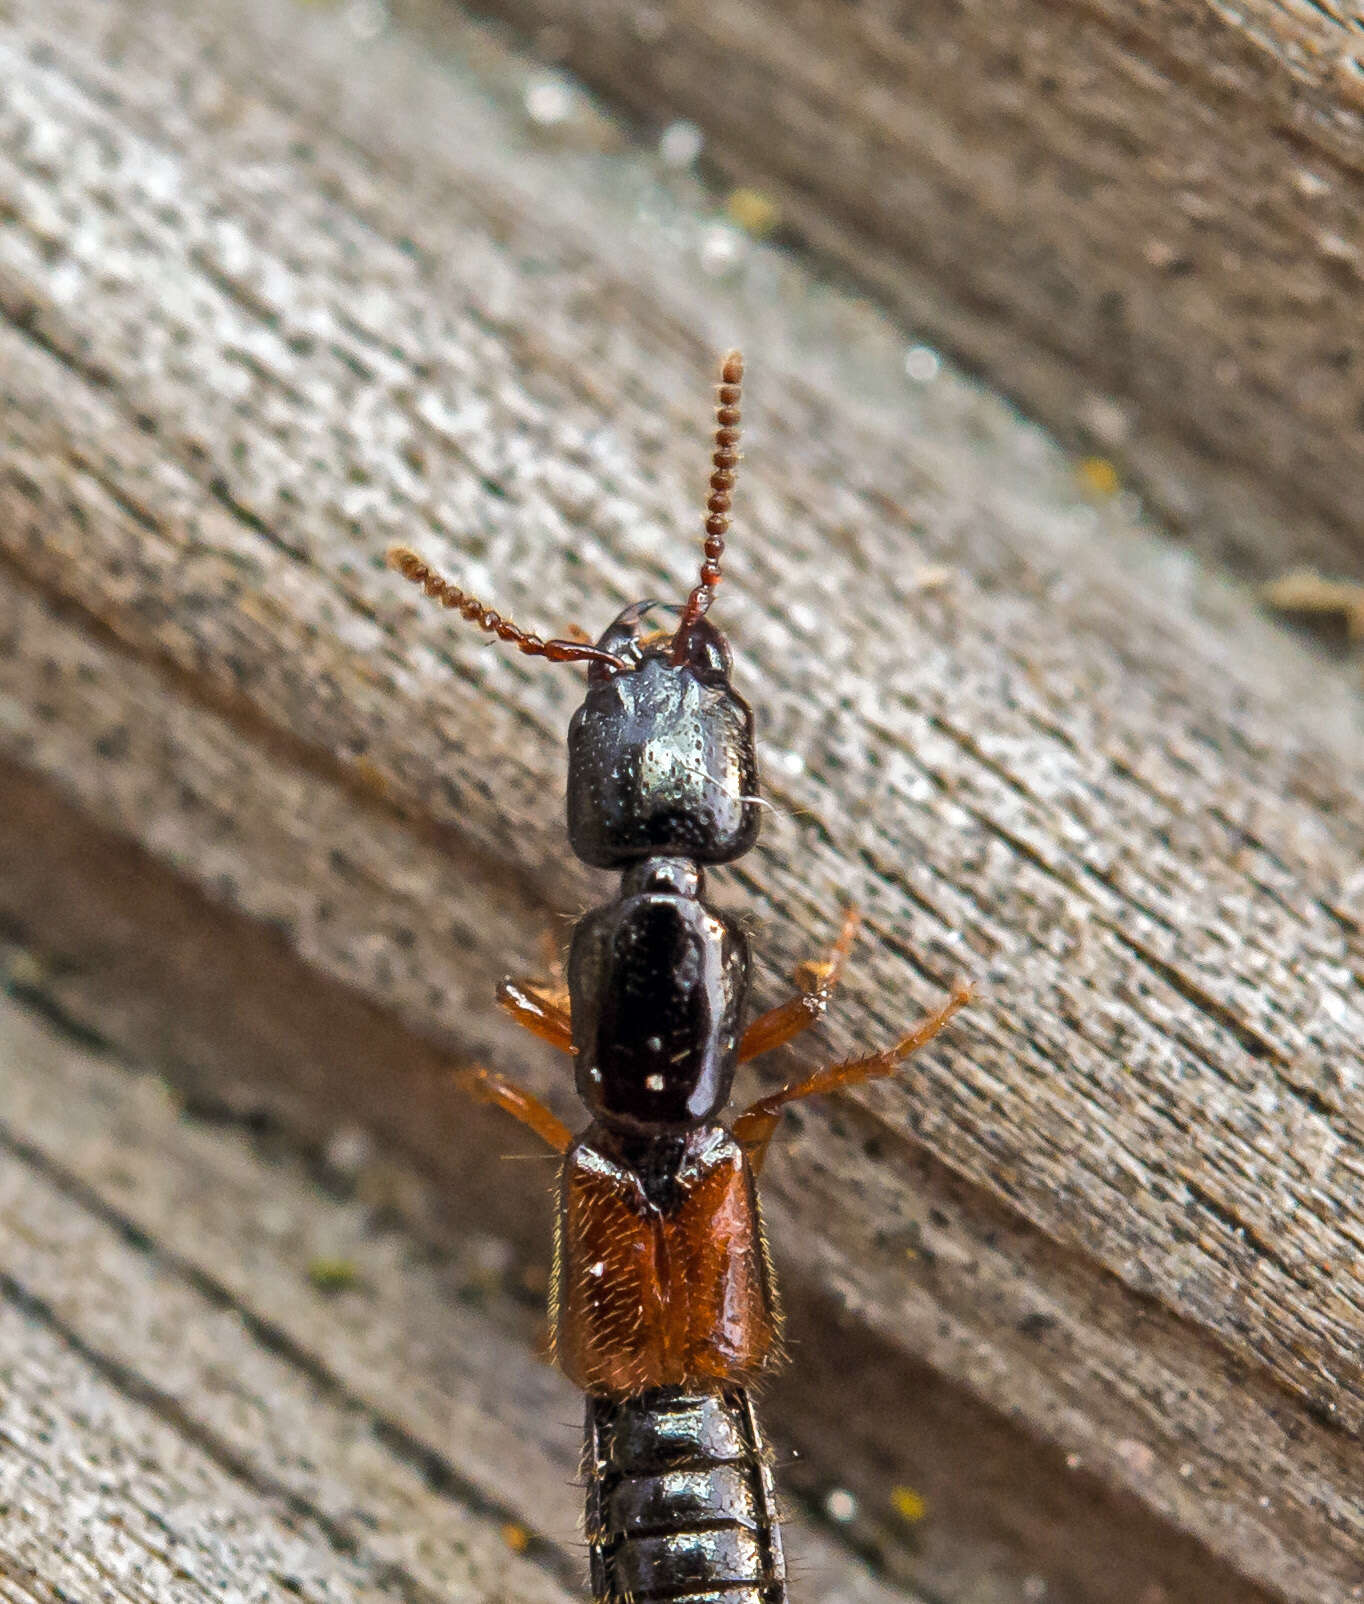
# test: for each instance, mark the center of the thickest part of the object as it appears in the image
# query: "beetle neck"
(680, 877)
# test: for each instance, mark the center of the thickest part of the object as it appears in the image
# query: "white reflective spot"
(598, 1269)
(1337, 247)
(654, 1043)
(840, 1505)
(721, 248)
(680, 144)
(1137, 1456)
(549, 101)
(349, 1151)
(1333, 1005)
(1106, 419)
(922, 364)
(654, 1083)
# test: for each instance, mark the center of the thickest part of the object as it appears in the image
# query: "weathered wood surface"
(187, 1415)
(1141, 217)
(272, 297)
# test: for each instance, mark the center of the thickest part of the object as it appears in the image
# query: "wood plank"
(103, 1499)
(255, 324)
(1140, 219)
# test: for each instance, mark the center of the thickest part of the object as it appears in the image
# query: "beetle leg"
(541, 1010)
(816, 980)
(487, 1087)
(754, 1127)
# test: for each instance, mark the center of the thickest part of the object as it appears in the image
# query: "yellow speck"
(908, 1504)
(754, 212)
(333, 1275)
(517, 1538)
(1098, 476)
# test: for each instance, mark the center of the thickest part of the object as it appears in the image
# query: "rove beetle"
(662, 1305)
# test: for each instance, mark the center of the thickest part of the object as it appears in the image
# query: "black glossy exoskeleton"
(662, 1304)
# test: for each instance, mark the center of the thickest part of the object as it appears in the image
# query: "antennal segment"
(403, 560)
(724, 462)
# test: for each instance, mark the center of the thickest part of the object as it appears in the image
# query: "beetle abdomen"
(680, 1504)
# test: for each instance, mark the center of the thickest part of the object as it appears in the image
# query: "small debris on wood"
(1098, 476)
(908, 1505)
(516, 1537)
(754, 212)
(932, 577)
(1310, 595)
(333, 1275)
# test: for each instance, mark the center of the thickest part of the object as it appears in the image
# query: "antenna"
(406, 562)
(723, 464)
